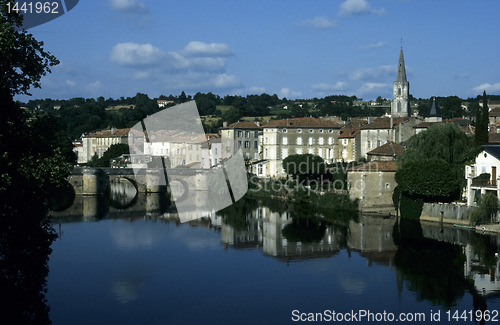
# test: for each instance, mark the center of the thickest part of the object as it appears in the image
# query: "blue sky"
(294, 48)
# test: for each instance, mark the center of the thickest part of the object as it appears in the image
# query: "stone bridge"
(93, 181)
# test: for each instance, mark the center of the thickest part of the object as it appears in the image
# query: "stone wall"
(450, 213)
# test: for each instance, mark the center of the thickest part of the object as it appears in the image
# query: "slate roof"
(434, 110)
(303, 122)
(493, 150)
(401, 77)
(388, 149)
(375, 166)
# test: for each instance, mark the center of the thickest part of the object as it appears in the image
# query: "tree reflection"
(305, 230)
(24, 253)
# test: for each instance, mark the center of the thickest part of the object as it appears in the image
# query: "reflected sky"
(155, 272)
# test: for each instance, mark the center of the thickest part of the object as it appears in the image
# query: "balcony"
(484, 183)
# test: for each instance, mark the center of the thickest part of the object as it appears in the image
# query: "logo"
(36, 13)
(173, 145)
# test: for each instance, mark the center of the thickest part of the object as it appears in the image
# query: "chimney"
(258, 123)
(113, 130)
(370, 119)
(224, 124)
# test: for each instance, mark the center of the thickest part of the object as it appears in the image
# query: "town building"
(372, 183)
(100, 141)
(244, 135)
(384, 129)
(307, 135)
(434, 113)
(487, 163)
(349, 144)
(387, 152)
(211, 153)
(400, 106)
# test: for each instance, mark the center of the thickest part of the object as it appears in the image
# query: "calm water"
(259, 262)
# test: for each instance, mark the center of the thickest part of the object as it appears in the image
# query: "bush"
(487, 205)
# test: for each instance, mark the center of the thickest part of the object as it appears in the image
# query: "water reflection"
(120, 193)
(25, 247)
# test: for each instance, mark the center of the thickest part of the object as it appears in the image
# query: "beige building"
(384, 129)
(307, 135)
(99, 142)
(387, 152)
(349, 144)
(372, 183)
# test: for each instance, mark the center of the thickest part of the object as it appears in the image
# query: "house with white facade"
(307, 135)
(100, 141)
(487, 164)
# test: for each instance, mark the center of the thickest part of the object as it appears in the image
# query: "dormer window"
(311, 131)
(284, 130)
(299, 130)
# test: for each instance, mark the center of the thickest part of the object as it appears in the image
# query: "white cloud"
(133, 54)
(457, 75)
(141, 75)
(94, 87)
(226, 81)
(318, 23)
(489, 88)
(128, 6)
(372, 87)
(202, 49)
(373, 46)
(377, 73)
(357, 7)
(257, 90)
(325, 87)
(70, 82)
(288, 93)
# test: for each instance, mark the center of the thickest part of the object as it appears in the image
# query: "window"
(299, 151)
(247, 155)
(240, 134)
(320, 152)
(320, 141)
(330, 140)
(284, 153)
(311, 151)
(239, 144)
(266, 140)
(299, 130)
(330, 131)
(228, 133)
(178, 151)
(311, 131)
(299, 141)
(378, 133)
(284, 130)
(285, 141)
(399, 106)
(256, 134)
(255, 144)
(388, 133)
(266, 153)
(247, 134)
(247, 144)
(345, 142)
(311, 141)
(399, 91)
(387, 186)
(368, 144)
(215, 149)
(320, 130)
(260, 169)
(378, 143)
(256, 155)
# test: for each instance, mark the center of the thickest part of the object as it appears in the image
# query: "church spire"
(401, 68)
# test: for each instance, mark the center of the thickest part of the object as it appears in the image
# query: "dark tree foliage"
(113, 151)
(431, 179)
(443, 141)
(305, 166)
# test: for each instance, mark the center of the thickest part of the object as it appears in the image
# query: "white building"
(487, 162)
(99, 142)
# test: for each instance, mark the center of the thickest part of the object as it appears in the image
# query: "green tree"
(113, 151)
(487, 206)
(304, 166)
(27, 173)
(445, 142)
(485, 120)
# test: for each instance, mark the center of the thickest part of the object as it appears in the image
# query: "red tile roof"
(375, 166)
(303, 122)
(345, 133)
(385, 123)
(243, 125)
(388, 149)
(108, 134)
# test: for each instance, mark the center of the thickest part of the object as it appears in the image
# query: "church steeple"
(401, 68)
(400, 106)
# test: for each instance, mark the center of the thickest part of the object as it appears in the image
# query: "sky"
(292, 48)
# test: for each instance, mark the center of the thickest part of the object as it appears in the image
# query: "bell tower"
(400, 106)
